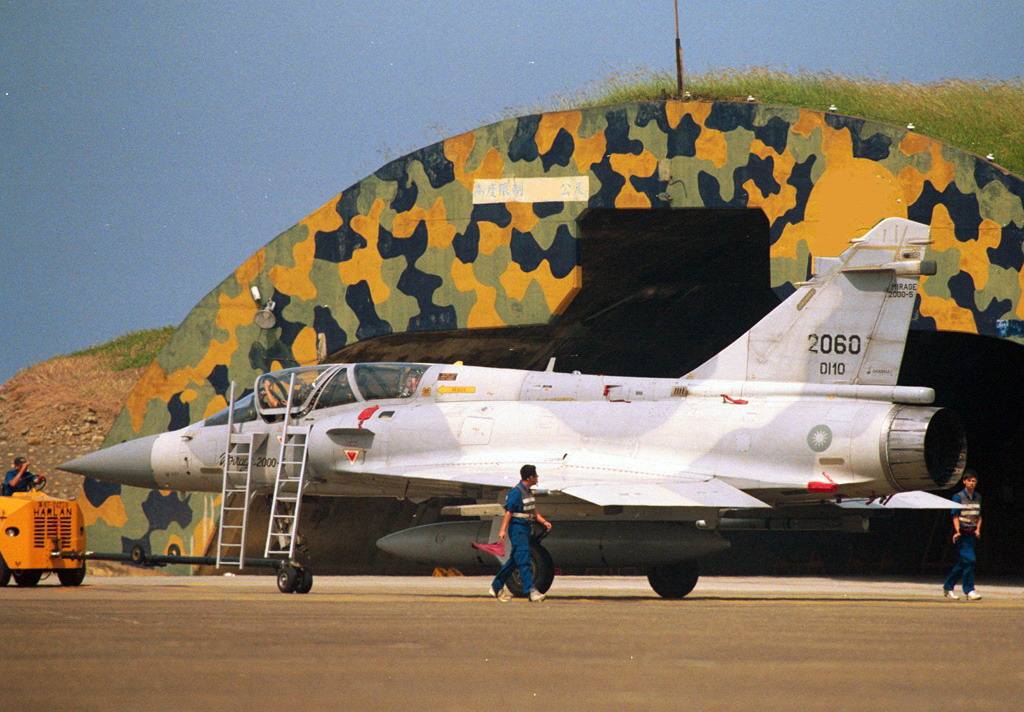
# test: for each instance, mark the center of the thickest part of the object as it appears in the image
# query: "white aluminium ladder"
(288, 484)
(235, 491)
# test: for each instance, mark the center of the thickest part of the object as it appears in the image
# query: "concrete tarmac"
(373, 643)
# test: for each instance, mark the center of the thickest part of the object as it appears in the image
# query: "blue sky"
(147, 148)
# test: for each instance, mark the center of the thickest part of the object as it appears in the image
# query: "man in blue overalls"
(966, 533)
(520, 513)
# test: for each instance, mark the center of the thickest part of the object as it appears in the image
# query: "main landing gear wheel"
(71, 577)
(5, 573)
(674, 580)
(543, 567)
(28, 577)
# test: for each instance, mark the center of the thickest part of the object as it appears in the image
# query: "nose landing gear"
(293, 579)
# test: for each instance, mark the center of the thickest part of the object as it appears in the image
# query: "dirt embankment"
(58, 410)
(62, 408)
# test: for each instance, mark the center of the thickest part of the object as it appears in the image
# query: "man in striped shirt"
(966, 533)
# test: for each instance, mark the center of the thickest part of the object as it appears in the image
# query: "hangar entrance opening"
(978, 377)
(663, 291)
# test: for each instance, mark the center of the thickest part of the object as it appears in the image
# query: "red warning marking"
(352, 455)
(366, 413)
(729, 399)
(827, 487)
(613, 394)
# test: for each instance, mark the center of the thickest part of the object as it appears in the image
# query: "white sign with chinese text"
(531, 190)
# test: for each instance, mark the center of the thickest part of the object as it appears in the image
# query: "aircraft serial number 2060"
(834, 343)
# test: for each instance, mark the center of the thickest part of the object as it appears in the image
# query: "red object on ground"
(497, 548)
(827, 487)
(730, 399)
(365, 414)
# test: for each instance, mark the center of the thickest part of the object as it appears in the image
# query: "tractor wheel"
(27, 577)
(71, 577)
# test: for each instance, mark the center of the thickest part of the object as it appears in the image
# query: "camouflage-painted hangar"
(635, 239)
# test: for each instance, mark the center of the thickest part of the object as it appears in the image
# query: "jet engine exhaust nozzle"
(924, 448)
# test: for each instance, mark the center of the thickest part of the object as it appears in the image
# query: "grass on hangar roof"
(978, 116)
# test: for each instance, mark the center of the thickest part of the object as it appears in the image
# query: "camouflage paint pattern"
(407, 249)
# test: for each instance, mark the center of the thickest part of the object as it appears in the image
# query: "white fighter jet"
(799, 423)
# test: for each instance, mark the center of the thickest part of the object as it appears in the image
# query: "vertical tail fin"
(848, 324)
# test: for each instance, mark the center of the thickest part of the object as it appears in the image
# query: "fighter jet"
(799, 423)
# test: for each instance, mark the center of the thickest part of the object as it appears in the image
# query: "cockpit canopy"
(275, 390)
(379, 381)
(245, 410)
(309, 388)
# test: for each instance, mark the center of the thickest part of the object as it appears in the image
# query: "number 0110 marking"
(834, 343)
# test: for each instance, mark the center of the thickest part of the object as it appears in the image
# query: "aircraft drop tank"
(570, 543)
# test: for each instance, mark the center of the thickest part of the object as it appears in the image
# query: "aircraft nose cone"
(128, 463)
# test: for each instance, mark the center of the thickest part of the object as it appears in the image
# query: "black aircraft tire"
(27, 577)
(543, 572)
(305, 584)
(287, 579)
(71, 577)
(544, 568)
(674, 580)
(5, 573)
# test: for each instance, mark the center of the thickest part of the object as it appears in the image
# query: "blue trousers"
(519, 536)
(964, 566)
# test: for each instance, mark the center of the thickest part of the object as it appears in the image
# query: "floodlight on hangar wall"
(481, 231)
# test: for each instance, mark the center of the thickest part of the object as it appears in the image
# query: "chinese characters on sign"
(531, 190)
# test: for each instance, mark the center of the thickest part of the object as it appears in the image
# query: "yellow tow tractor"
(40, 534)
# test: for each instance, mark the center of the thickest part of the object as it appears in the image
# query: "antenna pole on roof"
(679, 57)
